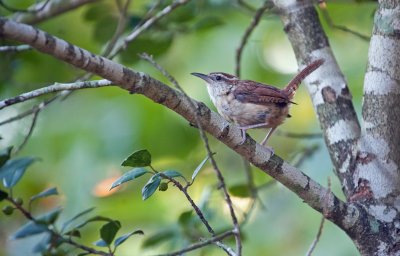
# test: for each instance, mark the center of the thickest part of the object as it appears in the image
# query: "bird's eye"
(218, 78)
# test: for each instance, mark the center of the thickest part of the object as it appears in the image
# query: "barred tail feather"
(291, 88)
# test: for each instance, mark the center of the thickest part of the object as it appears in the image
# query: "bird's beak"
(202, 76)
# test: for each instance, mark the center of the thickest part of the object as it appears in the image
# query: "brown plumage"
(251, 104)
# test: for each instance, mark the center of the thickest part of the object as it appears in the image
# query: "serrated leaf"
(241, 190)
(158, 238)
(5, 155)
(109, 230)
(151, 186)
(49, 217)
(65, 225)
(13, 170)
(29, 229)
(3, 195)
(140, 158)
(123, 238)
(45, 193)
(100, 243)
(198, 168)
(132, 174)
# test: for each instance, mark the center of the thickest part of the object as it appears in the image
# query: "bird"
(250, 104)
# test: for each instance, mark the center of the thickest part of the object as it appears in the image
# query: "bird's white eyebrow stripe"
(225, 75)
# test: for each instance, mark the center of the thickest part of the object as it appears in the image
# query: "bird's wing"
(258, 93)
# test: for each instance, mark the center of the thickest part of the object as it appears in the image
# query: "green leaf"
(109, 230)
(208, 23)
(105, 27)
(100, 243)
(241, 190)
(29, 229)
(185, 217)
(140, 158)
(3, 195)
(158, 238)
(49, 217)
(43, 245)
(73, 232)
(123, 238)
(132, 174)
(13, 170)
(45, 193)
(5, 155)
(95, 11)
(183, 14)
(155, 43)
(65, 225)
(173, 174)
(198, 168)
(93, 219)
(151, 186)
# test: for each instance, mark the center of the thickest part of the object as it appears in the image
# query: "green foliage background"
(83, 139)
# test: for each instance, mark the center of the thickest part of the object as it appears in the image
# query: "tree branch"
(148, 23)
(57, 87)
(138, 82)
(327, 86)
(51, 9)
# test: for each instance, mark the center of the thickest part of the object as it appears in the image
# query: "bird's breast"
(245, 114)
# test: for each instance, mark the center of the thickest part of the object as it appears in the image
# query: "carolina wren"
(250, 104)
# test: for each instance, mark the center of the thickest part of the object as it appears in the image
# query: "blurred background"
(82, 139)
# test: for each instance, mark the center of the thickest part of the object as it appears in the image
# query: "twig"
(253, 191)
(327, 17)
(207, 146)
(200, 244)
(304, 154)
(321, 225)
(28, 112)
(54, 88)
(32, 126)
(120, 28)
(256, 19)
(29, 10)
(29, 216)
(15, 48)
(52, 9)
(192, 203)
(246, 6)
(136, 32)
(294, 135)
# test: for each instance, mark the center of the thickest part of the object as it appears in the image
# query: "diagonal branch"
(140, 83)
(327, 86)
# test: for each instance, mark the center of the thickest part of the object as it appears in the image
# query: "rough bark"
(327, 86)
(366, 162)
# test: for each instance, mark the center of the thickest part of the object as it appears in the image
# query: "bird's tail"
(291, 88)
